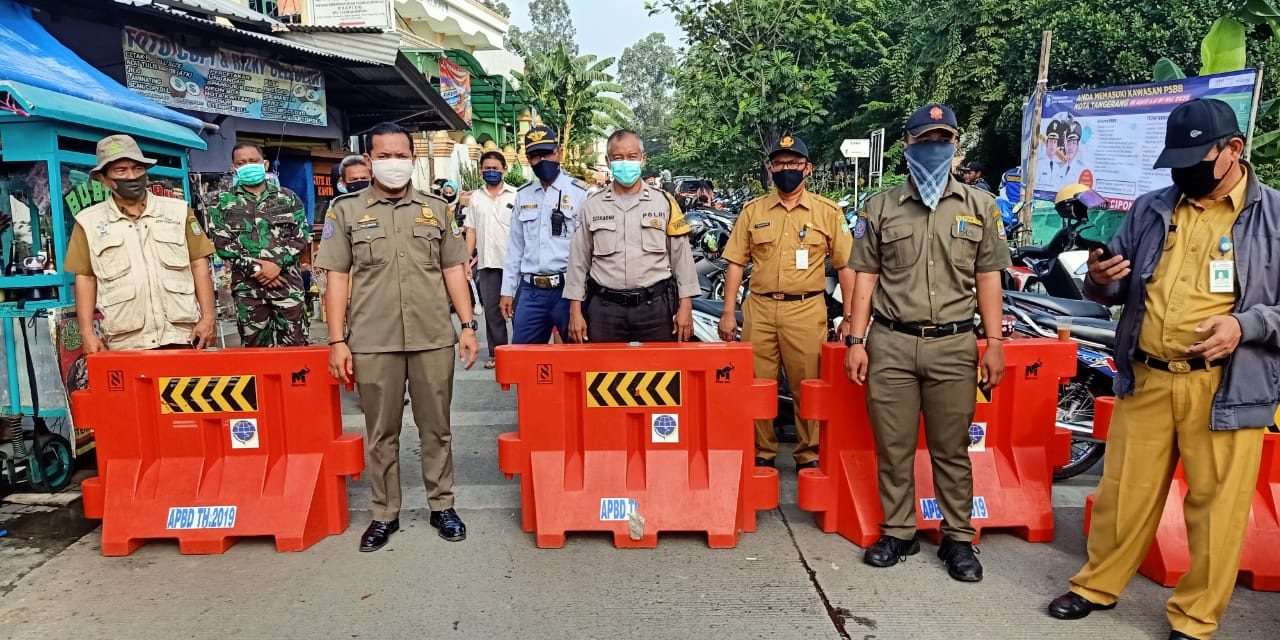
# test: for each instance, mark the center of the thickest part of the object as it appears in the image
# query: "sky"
(606, 27)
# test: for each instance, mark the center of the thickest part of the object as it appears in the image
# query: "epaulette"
(581, 184)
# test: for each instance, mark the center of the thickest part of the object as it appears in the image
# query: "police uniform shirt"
(532, 249)
(395, 251)
(769, 236)
(628, 243)
(928, 261)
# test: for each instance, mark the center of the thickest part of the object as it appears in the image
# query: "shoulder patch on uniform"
(330, 215)
(327, 232)
(860, 228)
(195, 227)
(581, 184)
(676, 224)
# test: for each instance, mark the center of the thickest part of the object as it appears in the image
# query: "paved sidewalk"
(788, 580)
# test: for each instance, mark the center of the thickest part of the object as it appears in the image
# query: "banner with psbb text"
(1109, 138)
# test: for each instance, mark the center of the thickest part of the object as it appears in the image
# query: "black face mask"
(131, 190)
(1197, 180)
(357, 185)
(788, 180)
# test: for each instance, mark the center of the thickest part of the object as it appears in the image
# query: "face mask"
(930, 166)
(131, 190)
(547, 170)
(393, 173)
(1197, 180)
(788, 180)
(491, 176)
(357, 185)
(251, 174)
(626, 172)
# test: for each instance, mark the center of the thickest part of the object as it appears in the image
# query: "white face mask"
(393, 173)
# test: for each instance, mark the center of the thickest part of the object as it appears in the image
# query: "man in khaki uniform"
(788, 235)
(1196, 345)
(389, 246)
(142, 259)
(631, 259)
(920, 251)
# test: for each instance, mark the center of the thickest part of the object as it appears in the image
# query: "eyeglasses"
(779, 165)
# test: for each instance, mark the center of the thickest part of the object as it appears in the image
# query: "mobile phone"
(1092, 245)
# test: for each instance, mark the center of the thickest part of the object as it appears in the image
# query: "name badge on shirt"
(1222, 276)
(802, 259)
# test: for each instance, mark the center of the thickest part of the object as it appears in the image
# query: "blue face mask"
(251, 174)
(929, 164)
(491, 176)
(626, 172)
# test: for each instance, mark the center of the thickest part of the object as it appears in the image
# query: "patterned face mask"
(930, 166)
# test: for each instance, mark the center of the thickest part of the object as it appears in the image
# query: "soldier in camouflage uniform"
(260, 231)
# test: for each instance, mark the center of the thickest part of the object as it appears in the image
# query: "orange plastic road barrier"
(208, 447)
(637, 440)
(1014, 444)
(1169, 558)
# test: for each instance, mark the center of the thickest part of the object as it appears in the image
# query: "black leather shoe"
(1178, 635)
(764, 462)
(449, 524)
(962, 560)
(812, 464)
(888, 551)
(1073, 606)
(377, 535)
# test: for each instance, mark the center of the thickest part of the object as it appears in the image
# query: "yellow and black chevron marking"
(984, 397)
(209, 394)
(1273, 429)
(633, 388)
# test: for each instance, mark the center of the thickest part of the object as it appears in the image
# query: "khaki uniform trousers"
(790, 333)
(381, 379)
(939, 376)
(1167, 419)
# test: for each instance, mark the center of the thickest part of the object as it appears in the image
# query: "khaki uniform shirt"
(631, 245)
(1178, 295)
(928, 261)
(395, 252)
(142, 265)
(769, 236)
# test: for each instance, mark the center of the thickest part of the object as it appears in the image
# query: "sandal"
(491, 364)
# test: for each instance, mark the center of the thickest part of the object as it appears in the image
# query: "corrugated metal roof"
(222, 8)
(377, 47)
(311, 28)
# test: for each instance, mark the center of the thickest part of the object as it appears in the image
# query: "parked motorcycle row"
(1043, 292)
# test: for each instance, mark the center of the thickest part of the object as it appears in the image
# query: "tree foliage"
(571, 94)
(497, 6)
(647, 72)
(551, 28)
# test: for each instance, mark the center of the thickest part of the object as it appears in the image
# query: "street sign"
(856, 148)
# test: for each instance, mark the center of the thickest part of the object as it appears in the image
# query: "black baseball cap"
(540, 138)
(790, 143)
(1192, 130)
(932, 116)
(972, 165)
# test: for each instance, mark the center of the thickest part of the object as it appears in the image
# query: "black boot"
(962, 560)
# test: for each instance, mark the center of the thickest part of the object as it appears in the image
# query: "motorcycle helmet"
(1075, 201)
(713, 242)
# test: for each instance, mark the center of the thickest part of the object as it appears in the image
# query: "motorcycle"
(1057, 268)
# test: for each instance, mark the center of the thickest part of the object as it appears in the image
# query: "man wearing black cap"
(971, 174)
(546, 216)
(788, 235)
(921, 250)
(1196, 351)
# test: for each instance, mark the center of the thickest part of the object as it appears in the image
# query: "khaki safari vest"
(145, 288)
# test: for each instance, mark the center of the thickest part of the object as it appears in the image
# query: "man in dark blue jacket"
(1198, 349)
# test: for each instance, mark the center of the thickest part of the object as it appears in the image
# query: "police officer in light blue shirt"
(546, 216)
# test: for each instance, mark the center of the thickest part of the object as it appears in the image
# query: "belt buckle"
(1180, 366)
(926, 329)
(542, 282)
(778, 295)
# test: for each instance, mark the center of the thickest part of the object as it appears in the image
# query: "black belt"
(550, 281)
(1177, 366)
(927, 330)
(788, 297)
(633, 297)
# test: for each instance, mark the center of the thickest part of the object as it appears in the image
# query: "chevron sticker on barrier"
(633, 388)
(209, 394)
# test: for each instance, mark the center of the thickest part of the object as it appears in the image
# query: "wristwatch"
(470, 324)
(849, 341)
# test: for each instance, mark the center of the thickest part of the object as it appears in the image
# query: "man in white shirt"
(487, 221)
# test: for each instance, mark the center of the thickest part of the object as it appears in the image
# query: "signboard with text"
(1109, 138)
(221, 80)
(352, 13)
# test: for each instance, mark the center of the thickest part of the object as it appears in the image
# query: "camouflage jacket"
(271, 227)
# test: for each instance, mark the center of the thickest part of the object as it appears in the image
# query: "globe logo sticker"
(666, 427)
(978, 436)
(244, 434)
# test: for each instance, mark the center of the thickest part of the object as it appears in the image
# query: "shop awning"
(42, 103)
(32, 58)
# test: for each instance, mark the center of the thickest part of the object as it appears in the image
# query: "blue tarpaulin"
(28, 54)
